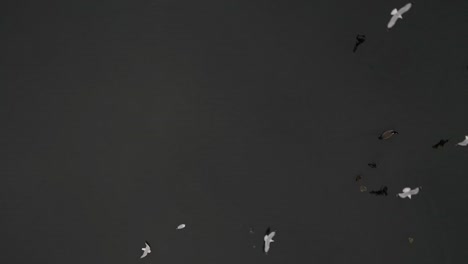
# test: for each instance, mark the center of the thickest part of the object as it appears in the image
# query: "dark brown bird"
(382, 191)
(387, 134)
(372, 165)
(441, 143)
(358, 178)
(359, 40)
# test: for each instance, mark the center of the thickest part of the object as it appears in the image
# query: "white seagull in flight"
(396, 14)
(407, 192)
(146, 250)
(268, 239)
(464, 142)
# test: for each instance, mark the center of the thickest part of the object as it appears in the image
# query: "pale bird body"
(464, 143)
(398, 14)
(268, 239)
(407, 192)
(146, 250)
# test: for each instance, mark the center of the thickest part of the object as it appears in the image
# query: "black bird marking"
(382, 191)
(372, 165)
(441, 143)
(359, 40)
(358, 178)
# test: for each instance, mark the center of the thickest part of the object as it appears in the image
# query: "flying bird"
(363, 188)
(268, 239)
(398, 14)
(372, 165)
(464, 142)
(407, 192)
(146, 250)
(181, 226)
(359, 40)
(358, 178)
(387, 134)
(441, 143)
(382, 191)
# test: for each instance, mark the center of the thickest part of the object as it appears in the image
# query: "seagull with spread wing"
(398, 14)
(146, 250)
(268, 239)
(407, 192)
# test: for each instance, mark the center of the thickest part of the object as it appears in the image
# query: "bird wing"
(414, 191)
(392, 21)
(271, 235)
(402, 195)
(405, 9)
(144, 254)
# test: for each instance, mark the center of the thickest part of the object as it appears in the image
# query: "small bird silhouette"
(387, 134)
(181, 226)
(359, 40)
(441, 143)
(372, 165)
(358, 178)
(146, 250)
(382, 191)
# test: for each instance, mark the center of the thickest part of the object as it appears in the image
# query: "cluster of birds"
(396, 14)
(407, 192)
(147, 248)
(267, 240)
